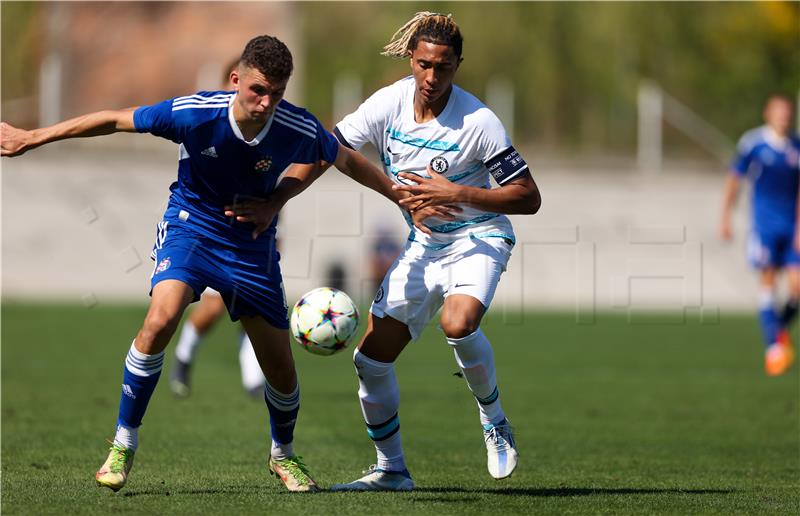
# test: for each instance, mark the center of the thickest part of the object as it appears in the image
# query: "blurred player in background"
(204, 316)
(441, 143)
(383, 251)
(768, 157)
(233, 148)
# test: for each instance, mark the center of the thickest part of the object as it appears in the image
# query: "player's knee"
(370, 367)
(458, 326)
(158, 325)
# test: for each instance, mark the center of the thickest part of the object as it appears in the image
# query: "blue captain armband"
(506, 165)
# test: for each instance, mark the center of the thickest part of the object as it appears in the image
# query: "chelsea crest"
(439, 164)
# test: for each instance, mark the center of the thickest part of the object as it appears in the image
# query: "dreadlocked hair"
(436, 28)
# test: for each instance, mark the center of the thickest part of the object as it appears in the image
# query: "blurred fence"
(79, 222)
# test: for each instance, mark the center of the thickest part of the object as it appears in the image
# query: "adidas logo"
(211, 152)
(127, 391)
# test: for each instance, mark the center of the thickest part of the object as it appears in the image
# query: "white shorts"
(418, 281)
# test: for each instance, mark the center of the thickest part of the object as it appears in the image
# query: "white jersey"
(465, 143)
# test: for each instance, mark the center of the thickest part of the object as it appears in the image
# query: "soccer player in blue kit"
(233, 147)
(769, 157)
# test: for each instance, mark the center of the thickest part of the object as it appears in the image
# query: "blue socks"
(283, 409)
(139, 380)
(772, 322)
(770, 325)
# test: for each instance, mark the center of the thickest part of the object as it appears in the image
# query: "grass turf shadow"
(533, 492)
(546, 492)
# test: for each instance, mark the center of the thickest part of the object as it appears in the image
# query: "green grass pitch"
(610, 418)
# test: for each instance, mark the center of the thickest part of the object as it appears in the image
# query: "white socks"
(281, 451)
(380, 400)
(475, 358)
(127, 437)
(252, 377)
(188, 343)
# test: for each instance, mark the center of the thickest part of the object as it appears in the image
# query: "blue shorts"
(772, 250)
(249, 281)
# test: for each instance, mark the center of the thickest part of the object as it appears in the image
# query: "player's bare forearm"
(729, 194)
(517, 197)
(15, 141)
(296, 179)
(261, 212)
(520, 196)
(354, 165)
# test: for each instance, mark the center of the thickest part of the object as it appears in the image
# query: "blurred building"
(97, 55)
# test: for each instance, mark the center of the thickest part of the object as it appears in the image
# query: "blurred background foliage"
(576, 66)
(20, 25)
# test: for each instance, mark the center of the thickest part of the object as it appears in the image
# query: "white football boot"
(376, 479)
(500, 449)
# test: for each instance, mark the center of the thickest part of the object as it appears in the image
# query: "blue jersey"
(217, 166)
(772, 166)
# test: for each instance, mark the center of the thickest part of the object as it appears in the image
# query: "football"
(324, 320)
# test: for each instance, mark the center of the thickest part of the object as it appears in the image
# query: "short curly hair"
(270, 56)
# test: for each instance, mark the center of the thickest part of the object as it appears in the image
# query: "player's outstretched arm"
(354, 165)
(261, 212)
(729, 193)
(520, 196)
(15, 141)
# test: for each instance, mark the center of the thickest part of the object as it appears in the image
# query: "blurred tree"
(21, 55)
(576, 66)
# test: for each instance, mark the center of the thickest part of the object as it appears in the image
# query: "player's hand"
(725, 230)
(13, 141)
(436, 190)
(260, 212)
(797, 240)
(419, 215)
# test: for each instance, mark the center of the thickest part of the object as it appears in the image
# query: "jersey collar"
(441, 117)
(775, 140)
(238, 132)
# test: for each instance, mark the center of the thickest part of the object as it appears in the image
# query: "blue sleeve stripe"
(288, 115)
(297, 128)
(200, 106)
(201, 99)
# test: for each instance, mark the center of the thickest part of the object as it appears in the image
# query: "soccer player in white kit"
(439, 144)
